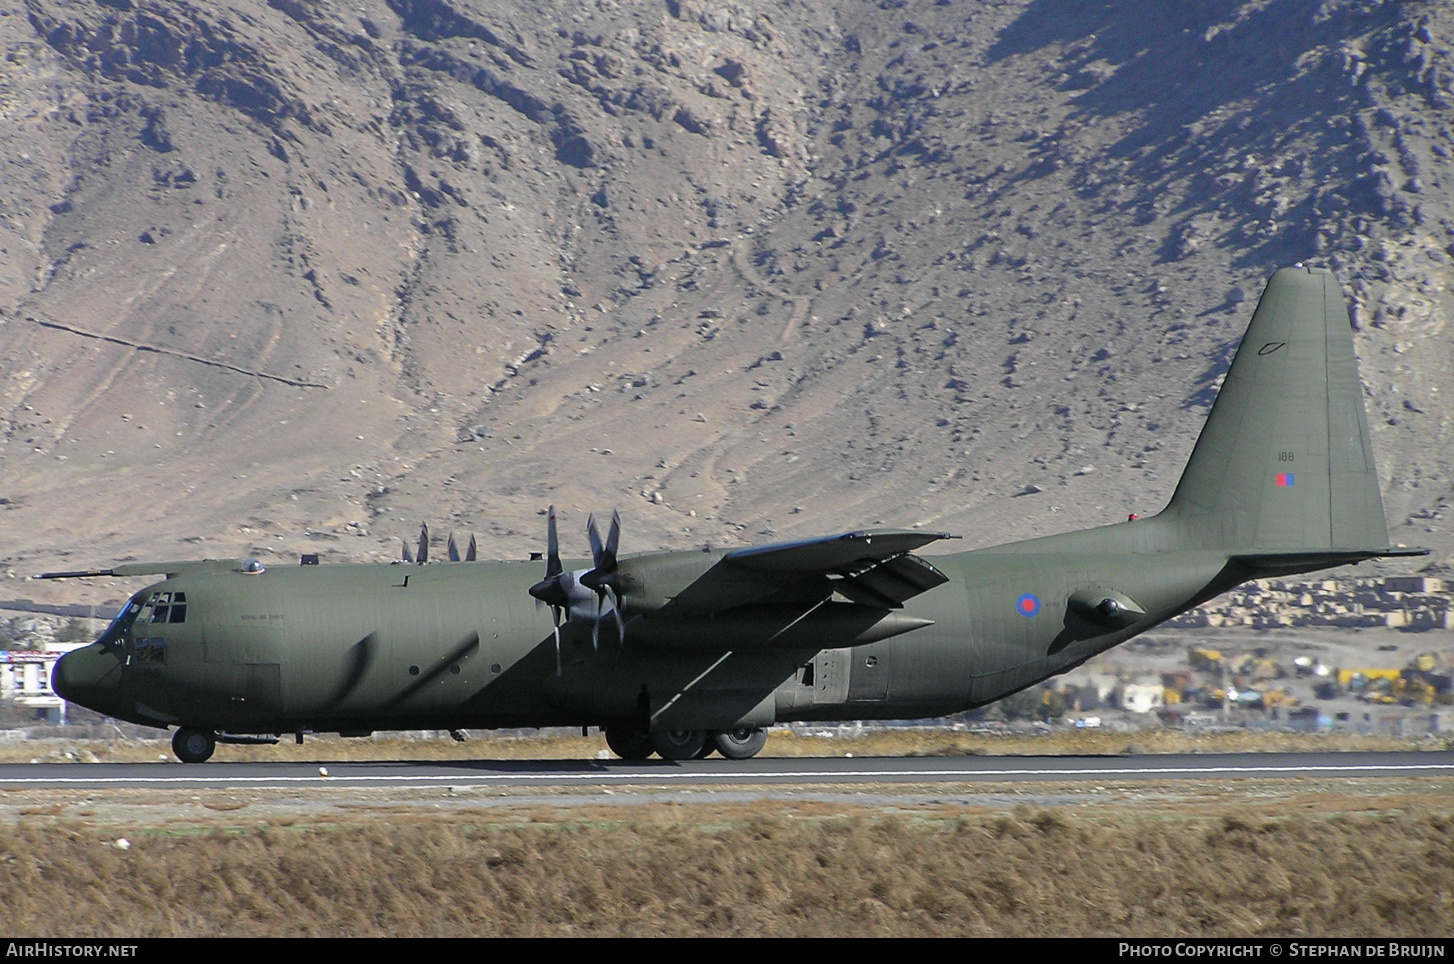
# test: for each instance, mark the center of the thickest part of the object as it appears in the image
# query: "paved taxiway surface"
(586, 774)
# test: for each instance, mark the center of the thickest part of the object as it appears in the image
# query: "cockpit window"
(116, 633)
(167, 607)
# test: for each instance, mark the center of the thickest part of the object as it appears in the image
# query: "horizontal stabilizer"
(1268, 565)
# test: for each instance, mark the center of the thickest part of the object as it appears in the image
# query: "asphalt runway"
(809, 772)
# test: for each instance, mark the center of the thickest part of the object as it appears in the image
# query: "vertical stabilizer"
(1284, 463)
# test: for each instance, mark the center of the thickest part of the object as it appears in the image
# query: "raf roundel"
(1027, 605)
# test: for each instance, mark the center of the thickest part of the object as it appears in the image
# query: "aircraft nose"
(63, 679)
(87, 677)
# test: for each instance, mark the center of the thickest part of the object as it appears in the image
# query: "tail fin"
(1284, 464)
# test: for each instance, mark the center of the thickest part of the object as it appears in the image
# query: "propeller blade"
(452, 550)
(620, 621)
(551, 590)
(601, 579)
(555, 615)
(596, 626)
(603, 558)
(469, 554)
(552, 545)
(612, 540)
(595, 536)
(423, 554)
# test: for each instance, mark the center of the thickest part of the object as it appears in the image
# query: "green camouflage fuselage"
(359, 648)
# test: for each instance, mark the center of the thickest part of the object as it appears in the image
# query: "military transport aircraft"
(683, 653)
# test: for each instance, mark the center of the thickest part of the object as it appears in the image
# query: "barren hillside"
(281, 276)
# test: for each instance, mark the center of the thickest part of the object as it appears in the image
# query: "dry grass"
(875, 742)
(1220, 858)
(748, 869)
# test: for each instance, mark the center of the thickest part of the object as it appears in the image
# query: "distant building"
(1419, 584)
(25, 679)
(1407, 603)
(1142, 697)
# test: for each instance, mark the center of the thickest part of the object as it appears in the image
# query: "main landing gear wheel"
(628, 742)
(678, 744)
(741, 743)
(192, 745)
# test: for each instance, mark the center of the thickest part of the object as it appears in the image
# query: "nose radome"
(62, 679)
(87, 677)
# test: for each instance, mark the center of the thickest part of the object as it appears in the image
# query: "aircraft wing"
(871, 568)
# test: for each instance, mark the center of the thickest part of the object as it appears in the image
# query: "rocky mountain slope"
(280, 276)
